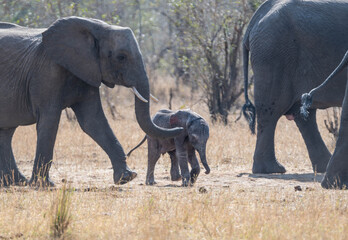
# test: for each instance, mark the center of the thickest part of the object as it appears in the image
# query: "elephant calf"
(181, 149)
(336, 175)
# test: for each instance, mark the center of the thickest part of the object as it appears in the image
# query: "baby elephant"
(181, 149)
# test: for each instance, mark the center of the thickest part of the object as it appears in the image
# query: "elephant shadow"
(302, 177)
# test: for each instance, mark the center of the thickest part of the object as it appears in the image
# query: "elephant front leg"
(46, 128)
(195, 168)
(336, 175)
(264, 156)
(174, 166)
(9, 173)
(182, 156)
(317, 150)
(92, 120)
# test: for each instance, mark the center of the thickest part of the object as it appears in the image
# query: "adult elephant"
(336, 175)
(293, 46)
(43, 71)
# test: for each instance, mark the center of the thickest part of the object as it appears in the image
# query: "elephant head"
(96, 53)
(198, 133)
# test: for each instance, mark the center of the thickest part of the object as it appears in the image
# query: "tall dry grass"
(235, 205)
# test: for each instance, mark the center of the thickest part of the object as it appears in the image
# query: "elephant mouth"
(108, 84)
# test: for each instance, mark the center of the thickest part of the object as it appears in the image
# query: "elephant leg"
(174, 168)
(195, 168)
(182, 156)
(9, 173)
(46, 128)
(264, 156)
(317, 150)
(153, 154)
(336, 175)
(272, 98)
(93, 122)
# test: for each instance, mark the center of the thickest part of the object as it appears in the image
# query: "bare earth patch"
(229, 203)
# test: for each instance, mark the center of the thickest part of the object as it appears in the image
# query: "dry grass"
(237, 204)
(60, 212)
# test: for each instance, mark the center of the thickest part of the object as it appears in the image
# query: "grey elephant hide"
(293, 46)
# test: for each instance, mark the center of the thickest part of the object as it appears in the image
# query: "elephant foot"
(194, 175)
(268, 167)
(150, 182)
(39, 181)
(320, 159)
(320, 166)
(186, 182)
(125, 176)
(175, 176)
(8, 179)
(338, 181)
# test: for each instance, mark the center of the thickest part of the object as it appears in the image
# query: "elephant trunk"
(142, 112)
(307, 98)
(204, 160)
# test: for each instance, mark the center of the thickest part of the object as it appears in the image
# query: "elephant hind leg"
(317, 150)
(153, 156)
(264, 156)
(9, 173)
(271, 101)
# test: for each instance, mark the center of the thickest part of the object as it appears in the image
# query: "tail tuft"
(249, 113)
(306, 102)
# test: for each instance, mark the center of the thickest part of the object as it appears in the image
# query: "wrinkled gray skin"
(43, 71)
(181, 149)
(293, 47)
(336, 175)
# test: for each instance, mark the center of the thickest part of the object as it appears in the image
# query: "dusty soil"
(230, 202)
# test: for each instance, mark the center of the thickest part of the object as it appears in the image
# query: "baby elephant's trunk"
(204, 161)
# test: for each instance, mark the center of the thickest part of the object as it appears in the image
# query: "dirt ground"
(229, 203)
(80, 161)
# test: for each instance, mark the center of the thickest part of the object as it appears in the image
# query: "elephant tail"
(248, 108)
(307, 98)
(142, 141)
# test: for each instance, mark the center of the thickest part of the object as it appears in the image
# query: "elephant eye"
(121, 57)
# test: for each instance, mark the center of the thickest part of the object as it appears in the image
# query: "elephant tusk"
(136, 93)
(154, 98)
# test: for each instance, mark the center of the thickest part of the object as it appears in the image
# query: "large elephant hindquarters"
(291, 53)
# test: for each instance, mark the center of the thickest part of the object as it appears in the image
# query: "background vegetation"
(196, 43)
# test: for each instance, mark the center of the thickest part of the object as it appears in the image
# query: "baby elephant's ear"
(194, 137)
(174, 120)
(73, 44)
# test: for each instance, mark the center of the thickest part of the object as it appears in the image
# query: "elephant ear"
(174, 120)
(194, 137)
(72, 43)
